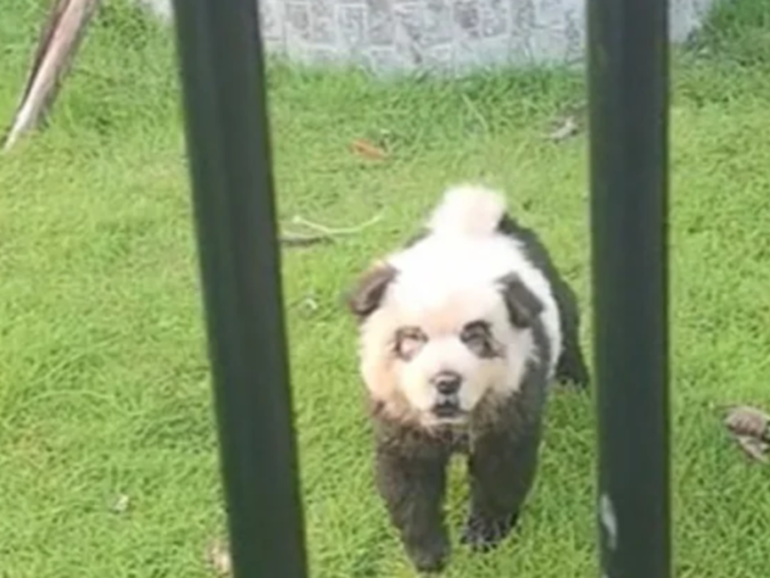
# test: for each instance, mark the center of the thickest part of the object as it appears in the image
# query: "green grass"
(104, 386)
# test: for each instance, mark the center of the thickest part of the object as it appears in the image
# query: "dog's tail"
(472, 210)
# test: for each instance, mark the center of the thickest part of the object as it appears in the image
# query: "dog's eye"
(409, 341)
(477, 336)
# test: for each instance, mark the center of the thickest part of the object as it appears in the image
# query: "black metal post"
(222, 72)
(628, 87)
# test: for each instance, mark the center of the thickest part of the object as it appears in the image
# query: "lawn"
(108, 463)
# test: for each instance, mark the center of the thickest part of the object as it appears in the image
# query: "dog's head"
(442, 327)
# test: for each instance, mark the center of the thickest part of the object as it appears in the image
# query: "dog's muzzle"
(447, 384)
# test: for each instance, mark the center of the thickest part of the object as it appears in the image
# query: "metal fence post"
(222, 74)
(628, 89)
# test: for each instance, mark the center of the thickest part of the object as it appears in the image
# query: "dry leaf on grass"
(754, 448)
(745, 420)
(566, 129)
(368, 150)
(751, 428)
(121, 504)
(570, 121)
(218, 555)
(310, 304)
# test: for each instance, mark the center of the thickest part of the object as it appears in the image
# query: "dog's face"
(434, 345)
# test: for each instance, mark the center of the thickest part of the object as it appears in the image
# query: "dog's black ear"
(523, 305)
(370, 289)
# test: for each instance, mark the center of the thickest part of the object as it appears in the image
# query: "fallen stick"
(58, 43)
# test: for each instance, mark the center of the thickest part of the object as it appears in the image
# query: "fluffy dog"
(460, 334)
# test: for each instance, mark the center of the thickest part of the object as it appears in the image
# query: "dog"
(460, 334)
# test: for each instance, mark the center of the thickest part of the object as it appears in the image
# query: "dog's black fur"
(502, 443)
(572, 366)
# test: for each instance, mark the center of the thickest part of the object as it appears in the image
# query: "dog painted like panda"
(460, 334)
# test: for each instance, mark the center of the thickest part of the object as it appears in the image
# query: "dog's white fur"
(448, 279)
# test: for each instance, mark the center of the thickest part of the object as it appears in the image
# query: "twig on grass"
(323, 233)
(297, 240)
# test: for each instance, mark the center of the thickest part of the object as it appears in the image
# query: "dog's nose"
(447, 382)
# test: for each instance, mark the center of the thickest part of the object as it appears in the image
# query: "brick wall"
(449, 35)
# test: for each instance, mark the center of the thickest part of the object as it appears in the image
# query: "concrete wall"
(449, 35)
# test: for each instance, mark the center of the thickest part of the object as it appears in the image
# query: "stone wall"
(448, 35)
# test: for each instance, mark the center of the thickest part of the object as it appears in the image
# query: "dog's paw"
(484, 534)
(430, 557)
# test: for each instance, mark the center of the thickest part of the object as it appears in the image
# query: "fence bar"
(222, 73)
(628, 93)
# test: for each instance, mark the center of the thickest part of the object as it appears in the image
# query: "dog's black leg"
(413, 488)
(571, 367)
(502, 469)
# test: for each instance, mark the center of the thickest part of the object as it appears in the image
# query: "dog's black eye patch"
(408, 342)
(477, 336)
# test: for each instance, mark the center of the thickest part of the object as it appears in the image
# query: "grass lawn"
(104, 388)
